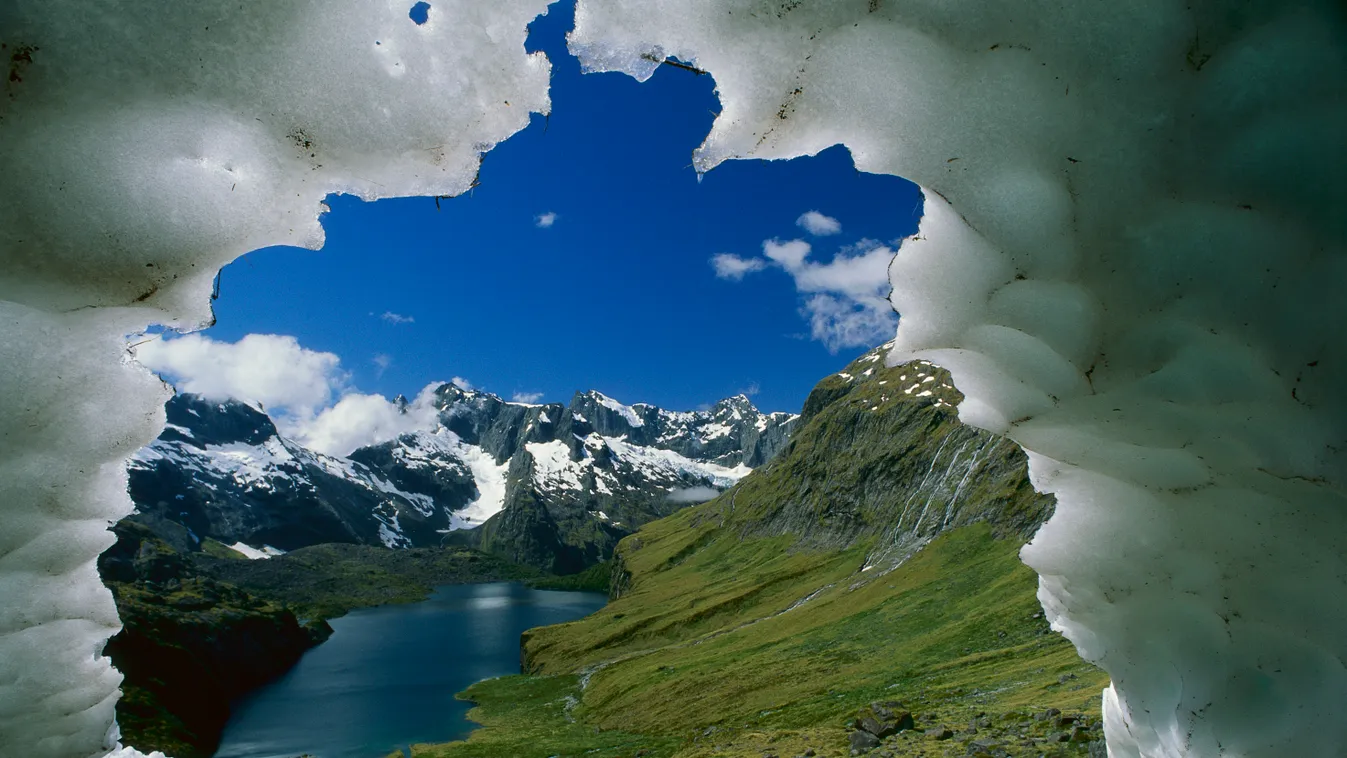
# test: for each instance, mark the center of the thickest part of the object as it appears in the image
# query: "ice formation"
(143, 146)
(1129, 261)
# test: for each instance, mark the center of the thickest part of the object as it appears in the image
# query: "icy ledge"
(1131, 261)
(143, 146)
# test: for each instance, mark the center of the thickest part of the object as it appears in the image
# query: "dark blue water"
(387, 676)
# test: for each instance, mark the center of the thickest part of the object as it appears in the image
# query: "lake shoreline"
(389, 676)
(202, 632)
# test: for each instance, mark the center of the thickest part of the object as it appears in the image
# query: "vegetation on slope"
(869, 563)
(593, 579)
(190, 645)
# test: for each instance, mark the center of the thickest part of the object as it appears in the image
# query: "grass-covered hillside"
(870, 570)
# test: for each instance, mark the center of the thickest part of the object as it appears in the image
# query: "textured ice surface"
(142, 146)
(1131, 261)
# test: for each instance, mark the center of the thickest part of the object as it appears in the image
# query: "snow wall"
(1130, 260)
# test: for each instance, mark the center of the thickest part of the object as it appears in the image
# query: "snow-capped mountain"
(222, 470)
(551, 485)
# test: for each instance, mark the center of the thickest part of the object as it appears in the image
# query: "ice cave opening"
(1130, 262)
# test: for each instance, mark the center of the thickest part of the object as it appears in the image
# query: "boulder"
(885, 719)
(880, 729)
(940, 733)
(863, 742)
(887, 710)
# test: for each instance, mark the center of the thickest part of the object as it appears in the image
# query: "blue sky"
(618, 294)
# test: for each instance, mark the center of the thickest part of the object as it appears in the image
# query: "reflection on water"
(387, 676)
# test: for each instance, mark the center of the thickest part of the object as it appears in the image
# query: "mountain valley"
(866, 568)
(870, 571)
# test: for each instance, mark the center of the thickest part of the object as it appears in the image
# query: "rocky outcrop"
(870, 431)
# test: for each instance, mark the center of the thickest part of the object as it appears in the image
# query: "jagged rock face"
(732, 432)
(223, 471)
(564, 483)
(870, 431)
(583, 476)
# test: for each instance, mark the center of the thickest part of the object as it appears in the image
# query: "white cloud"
(462, 383)
(545, 220)
(850, 307)
(848, 296)
(752, 389)
(527, 397)
(789, 255)
(840, 322)
(730, 266)
(693, 494)
(358, 420)
(270, 369)
(397, 318)
(295, 385)
(859, 272)
(818, 224)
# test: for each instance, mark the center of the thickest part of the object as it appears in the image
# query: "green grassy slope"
(750, 625)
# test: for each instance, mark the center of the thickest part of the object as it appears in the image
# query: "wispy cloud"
(752, 389)
(527, 397)
(382, 361)
(730, 266)
(840, 322)
(818, 224)
(845, 300)
(397, 318)
(462, 383)
(545, 220)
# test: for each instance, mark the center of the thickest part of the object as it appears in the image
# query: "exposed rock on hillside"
(564, 483)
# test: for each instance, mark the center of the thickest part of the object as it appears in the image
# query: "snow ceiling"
(1131, 261)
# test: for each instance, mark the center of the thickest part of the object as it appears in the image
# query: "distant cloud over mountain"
(306, 392)
(271, 369)
(397, 318)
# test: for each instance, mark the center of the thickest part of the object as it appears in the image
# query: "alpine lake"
(387, 677)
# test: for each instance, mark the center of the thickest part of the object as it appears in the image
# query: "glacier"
(1130, 262)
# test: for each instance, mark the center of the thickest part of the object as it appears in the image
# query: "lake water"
(387, 676)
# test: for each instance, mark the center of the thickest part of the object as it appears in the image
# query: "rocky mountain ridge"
(554, 486)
